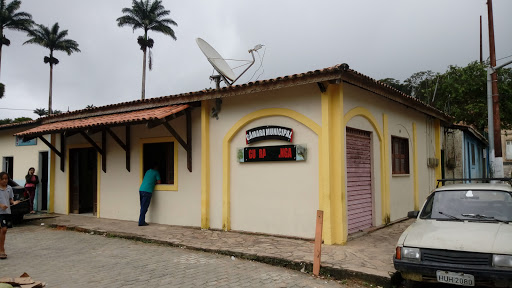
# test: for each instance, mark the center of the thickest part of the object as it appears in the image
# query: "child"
(6, 200)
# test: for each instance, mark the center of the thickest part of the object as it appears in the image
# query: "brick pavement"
(74, 260)
(368, 257)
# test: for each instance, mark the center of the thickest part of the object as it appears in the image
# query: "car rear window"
(473, 205)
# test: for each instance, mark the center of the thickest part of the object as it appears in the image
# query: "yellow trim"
(205, 165)
(332, 179)
(160, 187)
(437, 132)
(51, 208)
(384, 184)
(360, 111)
(386, 215)
(98, 167)
(415, 166)
(226, 145)
(98, 184)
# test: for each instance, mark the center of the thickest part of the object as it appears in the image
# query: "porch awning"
(87, 125)
(118, 119)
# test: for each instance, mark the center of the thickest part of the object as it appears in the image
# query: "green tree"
(90, 106)
(21, 119)
(460, 92)
(54, 40)
(149, 16)
(41, 112)
(5, 121)
(395, 84)
(12, 19)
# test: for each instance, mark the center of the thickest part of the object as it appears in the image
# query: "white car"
(462, 236)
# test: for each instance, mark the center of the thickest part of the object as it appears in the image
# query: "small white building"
(18, 156)
(281, 149)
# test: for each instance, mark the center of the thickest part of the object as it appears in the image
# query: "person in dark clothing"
(31, 180)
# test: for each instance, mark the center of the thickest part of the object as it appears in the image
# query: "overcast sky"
(392, 38)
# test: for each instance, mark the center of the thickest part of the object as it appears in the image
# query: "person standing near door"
(31, 180)
(151, 178)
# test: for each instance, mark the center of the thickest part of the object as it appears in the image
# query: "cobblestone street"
(72, 259)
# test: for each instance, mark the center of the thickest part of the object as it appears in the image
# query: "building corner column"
(332, 173)
(205, 165)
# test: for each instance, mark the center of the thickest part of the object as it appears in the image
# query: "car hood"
(481, 237)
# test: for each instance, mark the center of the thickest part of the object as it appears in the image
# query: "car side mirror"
(413, 214)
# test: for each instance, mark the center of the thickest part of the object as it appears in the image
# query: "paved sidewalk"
(368, 257)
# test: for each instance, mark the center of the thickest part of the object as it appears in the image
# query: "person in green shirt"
(151, 178)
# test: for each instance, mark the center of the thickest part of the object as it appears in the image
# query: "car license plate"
(455, 278)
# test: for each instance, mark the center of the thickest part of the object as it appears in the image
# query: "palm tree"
(54, 40)
(10, 19)
(148, 15)
(40, 111)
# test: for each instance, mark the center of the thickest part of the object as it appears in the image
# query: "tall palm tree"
(148, 15)
(12, 20)
(54, 40)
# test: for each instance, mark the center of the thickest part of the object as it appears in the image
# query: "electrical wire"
(261, 64)
(16, 109)
(504, 57)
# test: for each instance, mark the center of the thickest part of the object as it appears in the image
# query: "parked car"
(462, 236)
(22, 208)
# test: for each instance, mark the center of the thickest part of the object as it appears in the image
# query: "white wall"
(119, 189)
(275, 198)
(400, 119)
(24, 156)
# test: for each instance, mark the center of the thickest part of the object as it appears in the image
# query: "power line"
(16, 109)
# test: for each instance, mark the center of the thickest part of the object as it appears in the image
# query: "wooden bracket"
(60, 153)
(125, 147)
(98, 148)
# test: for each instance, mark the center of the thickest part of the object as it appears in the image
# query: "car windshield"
(472, 205)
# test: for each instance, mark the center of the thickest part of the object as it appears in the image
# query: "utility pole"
(481, 57)
(498, 158)
(494, 125)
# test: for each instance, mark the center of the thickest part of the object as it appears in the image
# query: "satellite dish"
(220, 64)
(215, 59)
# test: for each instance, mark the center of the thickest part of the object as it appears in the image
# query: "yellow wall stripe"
(53, 171)
(385, 200)
(437, 132)
(226, 148)
(333, 173)
(415, 166)
(98, 184)
(205, 165)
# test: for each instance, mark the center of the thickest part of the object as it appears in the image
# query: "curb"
(302, 266)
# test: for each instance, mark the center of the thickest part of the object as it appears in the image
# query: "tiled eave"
(335, 73)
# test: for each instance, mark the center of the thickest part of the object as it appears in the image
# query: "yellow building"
(341, 142)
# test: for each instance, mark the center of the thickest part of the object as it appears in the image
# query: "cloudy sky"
(392, 38)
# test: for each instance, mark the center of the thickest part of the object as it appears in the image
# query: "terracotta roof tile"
(104, 120)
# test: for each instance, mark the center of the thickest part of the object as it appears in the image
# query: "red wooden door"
(359, 179)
